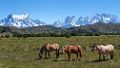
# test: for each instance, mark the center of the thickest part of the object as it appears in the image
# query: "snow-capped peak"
(104, 18)
(20, 21)
(24, 20)
(20, 16)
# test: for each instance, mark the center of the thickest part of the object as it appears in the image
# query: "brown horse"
(72, 49)
(103, 50)
(47, 48)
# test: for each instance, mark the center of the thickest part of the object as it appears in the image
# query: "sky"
(50, 11)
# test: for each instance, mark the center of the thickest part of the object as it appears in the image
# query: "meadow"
(23, 52)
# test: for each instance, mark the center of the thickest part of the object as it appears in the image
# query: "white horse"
(102, 50)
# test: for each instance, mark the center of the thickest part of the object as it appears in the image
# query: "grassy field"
(23, 52)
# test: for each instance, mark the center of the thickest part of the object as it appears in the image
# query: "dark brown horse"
(69, 49)
(47, 48)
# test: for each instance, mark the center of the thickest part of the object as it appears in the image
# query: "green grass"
(23, 52)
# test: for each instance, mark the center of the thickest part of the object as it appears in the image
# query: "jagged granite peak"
(20, 21)
(58, 23)
(24, 20)
(103, 17)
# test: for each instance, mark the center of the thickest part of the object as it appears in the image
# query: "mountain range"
(24, 20)
(20, 21)
(73, 22)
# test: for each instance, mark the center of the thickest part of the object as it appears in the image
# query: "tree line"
(96, 29)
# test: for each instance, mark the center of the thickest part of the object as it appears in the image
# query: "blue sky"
(50, 11)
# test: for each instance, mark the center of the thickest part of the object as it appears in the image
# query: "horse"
(103, 50)
(47, 48)
(70, 49)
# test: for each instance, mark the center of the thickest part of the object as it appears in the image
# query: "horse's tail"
(80, 51)
(57, 51)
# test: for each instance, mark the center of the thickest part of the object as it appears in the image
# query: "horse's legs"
(45, 54)
(103, 57)
(99, 57)
(77, 56)
(49, 54)
(69, 56)
(111, 55)
(57, 53)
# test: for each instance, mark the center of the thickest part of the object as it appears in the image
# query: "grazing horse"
(47, 48)
(72, 49)
(103, 50)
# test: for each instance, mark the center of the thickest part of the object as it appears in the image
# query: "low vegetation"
(23, 52)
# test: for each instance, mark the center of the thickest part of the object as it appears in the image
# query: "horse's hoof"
(99, 60)
(78, 59)
(46, 58)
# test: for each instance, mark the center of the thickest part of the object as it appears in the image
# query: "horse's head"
(41, 52)
(40, 56)
(93, 48)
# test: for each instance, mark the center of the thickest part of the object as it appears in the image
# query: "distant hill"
(97, 28)
(42, 29)
(92, 29)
